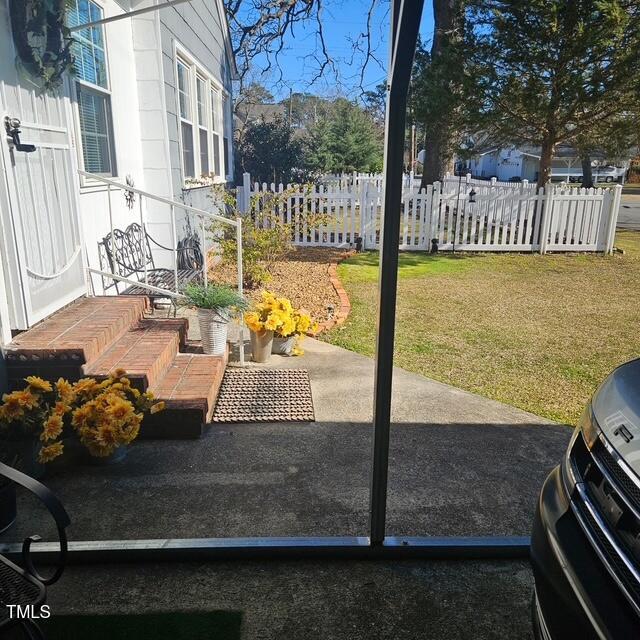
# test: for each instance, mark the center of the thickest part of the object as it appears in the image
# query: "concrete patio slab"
(460, 465)
(319, 601)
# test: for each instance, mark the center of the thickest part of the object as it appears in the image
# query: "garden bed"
(305, 277)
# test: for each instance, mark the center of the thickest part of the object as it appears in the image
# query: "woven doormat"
(264, 395)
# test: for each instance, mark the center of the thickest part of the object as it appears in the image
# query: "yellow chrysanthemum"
(38, 384)
(157, 407)
(11, 409)
(26, 398)
(85, 386)
(65, 390)
(50, 452)
(52, 428)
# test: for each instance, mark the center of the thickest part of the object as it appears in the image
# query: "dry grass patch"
(537, 332)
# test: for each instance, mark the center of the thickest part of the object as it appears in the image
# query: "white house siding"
(94, 206)
(200, 29)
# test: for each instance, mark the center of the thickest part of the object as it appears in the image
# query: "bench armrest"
(57, 511)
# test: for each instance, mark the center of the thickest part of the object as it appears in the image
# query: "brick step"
(73, 336)
(144, 352)
(189, 389)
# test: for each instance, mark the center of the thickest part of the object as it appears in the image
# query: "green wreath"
(43, 40)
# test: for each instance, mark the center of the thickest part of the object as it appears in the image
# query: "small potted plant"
(288, 344)
(266, 316)
(216, 305)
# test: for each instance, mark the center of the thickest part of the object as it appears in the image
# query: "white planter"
(214, 327)
(284, 346)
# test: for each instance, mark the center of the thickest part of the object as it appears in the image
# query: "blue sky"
(344, 20)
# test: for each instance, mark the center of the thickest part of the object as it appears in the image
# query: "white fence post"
(364, 214)
(434, 214)
(614, 208)
(493, 181)
(547, 213)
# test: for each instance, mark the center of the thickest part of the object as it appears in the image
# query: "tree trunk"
(546, 154)
(446, 13)
(587, 173)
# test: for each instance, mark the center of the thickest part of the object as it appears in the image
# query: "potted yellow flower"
(267, 316)
(289, 343)
(276, 327)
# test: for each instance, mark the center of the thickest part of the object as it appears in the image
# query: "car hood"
(616, 407)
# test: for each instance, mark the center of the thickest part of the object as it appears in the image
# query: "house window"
(228, 161)
(202, 120)
(92, 88)
(216, 120)
(203, 123)
(186, 123)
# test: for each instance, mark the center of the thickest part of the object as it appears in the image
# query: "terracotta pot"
(261, 346)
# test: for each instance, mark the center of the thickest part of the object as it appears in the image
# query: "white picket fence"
(500, 219)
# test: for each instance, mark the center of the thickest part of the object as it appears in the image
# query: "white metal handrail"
(173, 205)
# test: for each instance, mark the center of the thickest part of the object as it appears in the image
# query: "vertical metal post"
(203, 234)
(174, 244)
(240, 288)
(113, 244)
(143, 239)
(405, 25)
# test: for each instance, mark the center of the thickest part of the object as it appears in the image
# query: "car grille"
(607, 504)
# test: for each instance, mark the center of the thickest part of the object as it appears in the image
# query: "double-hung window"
(202, 116)
(202, 107)
(92, 89)
(186, 121)
(216, 126)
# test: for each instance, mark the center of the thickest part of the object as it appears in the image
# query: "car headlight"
(589, 427)
(588, 430)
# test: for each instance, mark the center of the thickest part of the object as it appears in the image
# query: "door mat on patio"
(265, 395)
(199, 625)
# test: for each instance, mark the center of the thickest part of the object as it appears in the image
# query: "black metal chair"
(127, 253)
(25, 585)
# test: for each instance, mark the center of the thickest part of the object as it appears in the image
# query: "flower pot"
(26, 451)
(284, 346)
(261, 345)
(214, 326)
(8, 506)
(116, 457)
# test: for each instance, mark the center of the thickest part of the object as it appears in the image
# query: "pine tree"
(556, 71)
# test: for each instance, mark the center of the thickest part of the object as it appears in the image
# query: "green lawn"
(537, 332)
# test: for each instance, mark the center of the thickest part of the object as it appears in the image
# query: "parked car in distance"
(585, 544)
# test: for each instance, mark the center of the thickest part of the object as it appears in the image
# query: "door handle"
(12, 126)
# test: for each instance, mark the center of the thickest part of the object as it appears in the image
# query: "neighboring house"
(150, 101)
(523, 164)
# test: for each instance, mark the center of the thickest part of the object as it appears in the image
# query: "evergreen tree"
(556, 71)
(270, 152)
(345, 140)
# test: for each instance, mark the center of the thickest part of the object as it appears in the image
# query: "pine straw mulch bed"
(302, 277)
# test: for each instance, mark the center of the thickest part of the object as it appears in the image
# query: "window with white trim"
(228, 160)
(203, 134)
(202, 108)
(216, 123)
(92, 89)
(186, 122)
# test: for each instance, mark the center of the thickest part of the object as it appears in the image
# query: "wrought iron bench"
(25, 586)
(128, 252)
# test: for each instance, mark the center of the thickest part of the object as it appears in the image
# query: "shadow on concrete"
(299, 479)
